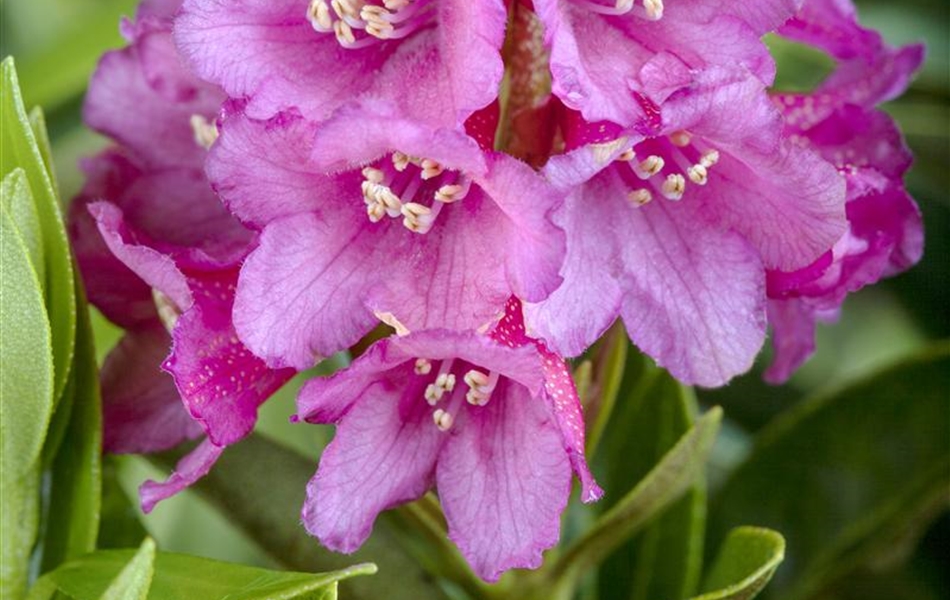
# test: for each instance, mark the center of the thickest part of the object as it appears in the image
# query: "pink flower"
(419, 227)
(159, 252)
(604, 52)
(669, 225)
(493, 422)
(839, 121)
(438, 60)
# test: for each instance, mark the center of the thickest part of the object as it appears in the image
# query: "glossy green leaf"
(135, 579)
(611, 362)
(657, 491)
(76, 472)
(260, 486)
(134, 575)
(849, 474)
(41, 134)
(665, 560)
(26, 401)
(745, 564)
(19, 148)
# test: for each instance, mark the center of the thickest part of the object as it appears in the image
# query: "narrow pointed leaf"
(657, 491)
(136, 575)
(21, 149)
(26, 401)
(665, 560)
(76, 471)
(745, 564)
(848, 476)
(18, 201)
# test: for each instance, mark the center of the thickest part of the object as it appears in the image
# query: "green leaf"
(119, 524)
(133, 575)
(72, 522)
(135, 579)
(19, 148)
(665, 560)
(40, 133)
(259, 485)
(745, 564)
(657, 491)
(18, 201)
(849, 476)
(26, 401)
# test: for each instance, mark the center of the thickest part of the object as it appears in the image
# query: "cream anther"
(627, 155)
(168, 311)
(649, 167)
(204, 131)
(372, 174)
(698, 174)
(443, 420)
(319, 14)
(448, 193)
(654, 9)
(395, 4)
(709, 158)
(430, 169)
(400, 161)
(480, 387)
(623, 6)
(673, 187)
(422, 366)
(681, 138)
(417, 217)
(446, 381)
(375, 211)
(346, 8)
(344, 33)
(639, 197)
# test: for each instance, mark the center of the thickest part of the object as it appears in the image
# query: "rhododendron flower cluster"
(495, 182)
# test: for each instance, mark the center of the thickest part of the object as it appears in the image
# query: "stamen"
(373, 174)
(627, 155)
(454, 192)
(649, 167)
(346, 8)
(681, 138)
(443, 420)
(654, 9)
(698, 174)
(168, 311)
(480, 387)
(375, 211)
(319, 15)
(673, 187)
(395, 4)
(344, 33)
(204, 131)
(709, 158)
(430, 169)
(640, 197)
(417, 217)
(422, 366)
(400, 161)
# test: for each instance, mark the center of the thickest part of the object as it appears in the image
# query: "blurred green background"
(56, 44)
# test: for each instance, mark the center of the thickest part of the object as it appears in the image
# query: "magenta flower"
(158, 251)
(419, 227)
(839, 120)
(437, 59)
(493, 422)
(605, 52)
(669, 227)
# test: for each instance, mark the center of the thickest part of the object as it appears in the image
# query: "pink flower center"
(480, 387)
(415, 188)
(651, 10)
(665, 166)
(362, 23)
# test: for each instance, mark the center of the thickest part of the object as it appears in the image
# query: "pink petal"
(141, 409)
(503, 481)
(383, 454)
(189, 469)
